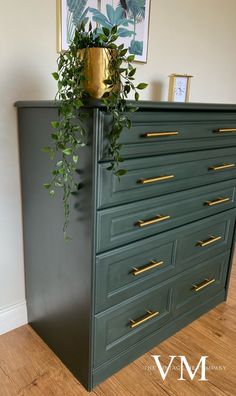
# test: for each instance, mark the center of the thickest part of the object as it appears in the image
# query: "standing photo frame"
(131, 17)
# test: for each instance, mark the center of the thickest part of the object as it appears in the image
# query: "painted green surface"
(178, 251)
(118, 225)
(172, 298)
(188, 170)
(81, 295)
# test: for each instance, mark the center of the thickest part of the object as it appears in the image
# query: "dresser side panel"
(58, 273)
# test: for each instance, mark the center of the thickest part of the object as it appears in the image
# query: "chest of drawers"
(149, 253)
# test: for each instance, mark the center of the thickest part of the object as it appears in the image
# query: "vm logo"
(183, 363)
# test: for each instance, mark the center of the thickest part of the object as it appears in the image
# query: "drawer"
(198, 286)
(161, 132)
(126, 223)
(124, 272)
(155, 176)
(124, 325)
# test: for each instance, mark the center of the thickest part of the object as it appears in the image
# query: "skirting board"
(13, 316)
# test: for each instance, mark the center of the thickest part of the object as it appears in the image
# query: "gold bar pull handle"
(221, 167)
(141, 270)
(225, 130)
(202, 285)
(207, 242)
(217, 201)
(149, 315)
(157, 219)
(159, 134)
(155, 179)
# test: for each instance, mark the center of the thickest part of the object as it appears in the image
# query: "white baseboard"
(13, 316)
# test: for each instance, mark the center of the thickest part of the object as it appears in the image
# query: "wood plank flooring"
(29, 368)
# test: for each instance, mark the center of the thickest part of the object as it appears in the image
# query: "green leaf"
(78, 103)
(55, 75)
(47, 185)
(75, 158)
(142, 86)
(106, 31)
(114, 38)
(121, 172)
(136, 96)
(59, 85)
(54, 172)
(132, 109)
(55, 124)
(127, 89)
(46, 149)
(128, 123)
(54, 136)
(79, 186)
(67, 151)
(103, 37)
(67, 238)
(123, 52)
(52, 193)
(108, 82)
(132, 72)
(130, 58)
(114, 30)
(113, 46)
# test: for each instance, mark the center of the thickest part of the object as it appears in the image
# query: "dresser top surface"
(142, 105)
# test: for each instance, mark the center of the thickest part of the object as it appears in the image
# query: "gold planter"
(97, 68)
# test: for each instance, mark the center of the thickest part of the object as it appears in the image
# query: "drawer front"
(199, 285)
(153, 133)
(126, 324)
(148, 177)
(121, 225)
(124, 272)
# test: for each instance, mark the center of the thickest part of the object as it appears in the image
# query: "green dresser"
(149, 253)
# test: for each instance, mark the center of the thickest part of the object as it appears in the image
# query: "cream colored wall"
(186, 36)
(195, 37)
(27, 42)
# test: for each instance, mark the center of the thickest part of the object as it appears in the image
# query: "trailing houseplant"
(70, 135)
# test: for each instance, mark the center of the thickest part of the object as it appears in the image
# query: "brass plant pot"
(98, 66)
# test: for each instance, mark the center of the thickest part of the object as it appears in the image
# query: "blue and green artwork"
(131, 17)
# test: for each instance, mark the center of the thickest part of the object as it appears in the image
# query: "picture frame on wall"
(131, 17)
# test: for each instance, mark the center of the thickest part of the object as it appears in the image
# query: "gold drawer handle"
(149, 315)
(140, 270)
(207, 242)
(155, 179)
(157, 219)
(225, 130)
(158, 134)
(203, 284)
(220, 167)
(217, 201)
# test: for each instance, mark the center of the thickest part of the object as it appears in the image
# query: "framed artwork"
(131, 17)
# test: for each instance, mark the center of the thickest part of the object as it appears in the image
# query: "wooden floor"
(29, 368)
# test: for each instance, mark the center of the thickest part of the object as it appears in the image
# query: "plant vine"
(69, 131)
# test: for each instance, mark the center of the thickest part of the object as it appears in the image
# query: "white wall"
(186, 36)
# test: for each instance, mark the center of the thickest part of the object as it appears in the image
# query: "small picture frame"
(179, 87)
